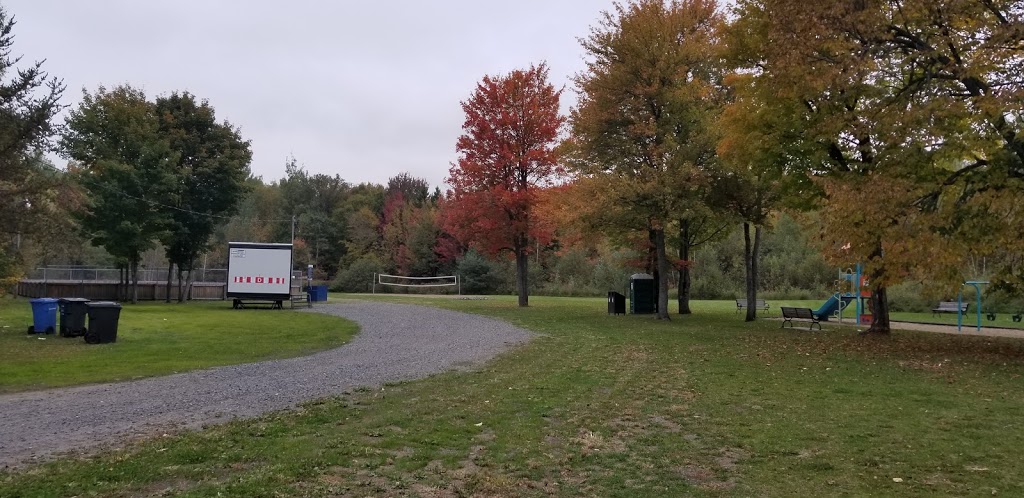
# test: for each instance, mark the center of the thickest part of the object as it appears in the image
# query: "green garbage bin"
(103, 318)
(643, 294)
(73, 311)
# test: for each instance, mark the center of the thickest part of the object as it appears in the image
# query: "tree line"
(892, 129)
(898, 123)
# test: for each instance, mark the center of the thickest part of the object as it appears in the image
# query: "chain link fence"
(92, 274)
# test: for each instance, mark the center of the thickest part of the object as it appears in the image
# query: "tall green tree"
(126, 170)
(29, 99)
(637, 130)
(314, 201)
(210, 177)
(414, 190)
(255, 219)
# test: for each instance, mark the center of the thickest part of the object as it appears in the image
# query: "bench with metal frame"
(789, 314)
(950, 307)
(759, 304)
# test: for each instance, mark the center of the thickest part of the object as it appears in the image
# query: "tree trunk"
(652, 252)
(181, 296)
(522, 265)
(135, 282)
(126, 284)
(189, 280)
(684, 269)
(662, 297)
(879, 299)
(750, 254)
(167, 289)
(880, 312)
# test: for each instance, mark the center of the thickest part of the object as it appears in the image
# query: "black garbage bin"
(103, 317)
(643, 294)
(73, 311)
(616, 303)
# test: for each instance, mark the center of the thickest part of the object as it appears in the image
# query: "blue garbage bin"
(317, 293)
(44, 316)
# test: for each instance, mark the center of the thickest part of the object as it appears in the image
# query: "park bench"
(789, 314)
(950, 307)
(758, 304)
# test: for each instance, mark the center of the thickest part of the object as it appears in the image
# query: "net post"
(458, 280)
(373, 284)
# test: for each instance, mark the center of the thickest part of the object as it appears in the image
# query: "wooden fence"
(108, 291)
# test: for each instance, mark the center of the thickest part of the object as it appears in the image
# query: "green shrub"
(909, 297)
(611, 274)
(481, 276)
(359, 276)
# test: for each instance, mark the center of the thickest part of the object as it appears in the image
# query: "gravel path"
(396, 342)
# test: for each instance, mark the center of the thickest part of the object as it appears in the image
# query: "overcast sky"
(365, 90)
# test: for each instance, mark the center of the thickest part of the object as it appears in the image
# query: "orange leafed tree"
(506, 153)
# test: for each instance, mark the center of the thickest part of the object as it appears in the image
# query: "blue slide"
(826, 310)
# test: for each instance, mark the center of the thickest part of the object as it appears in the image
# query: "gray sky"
(365, 90)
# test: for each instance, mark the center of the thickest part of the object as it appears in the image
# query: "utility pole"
(292, 254)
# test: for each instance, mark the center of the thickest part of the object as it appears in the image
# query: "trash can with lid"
(103, 318)
(643, 294)
(73, 311)
(317, 293)
(44, 316)
(616, 303)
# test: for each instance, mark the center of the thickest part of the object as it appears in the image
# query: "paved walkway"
(937, 328)
(966, 330)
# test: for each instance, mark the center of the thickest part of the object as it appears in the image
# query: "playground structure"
(850, 288)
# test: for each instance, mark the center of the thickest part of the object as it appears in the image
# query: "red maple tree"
(506, 153)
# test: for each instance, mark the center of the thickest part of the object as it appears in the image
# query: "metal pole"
(960, 309)
(860, 301)
(291, 259)
(977, 290)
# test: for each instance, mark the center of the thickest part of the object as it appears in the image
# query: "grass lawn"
(599, 405)
(158, 339)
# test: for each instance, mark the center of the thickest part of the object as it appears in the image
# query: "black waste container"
(616, 303)
(73, 311)
(103, 317)
(643, 294)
